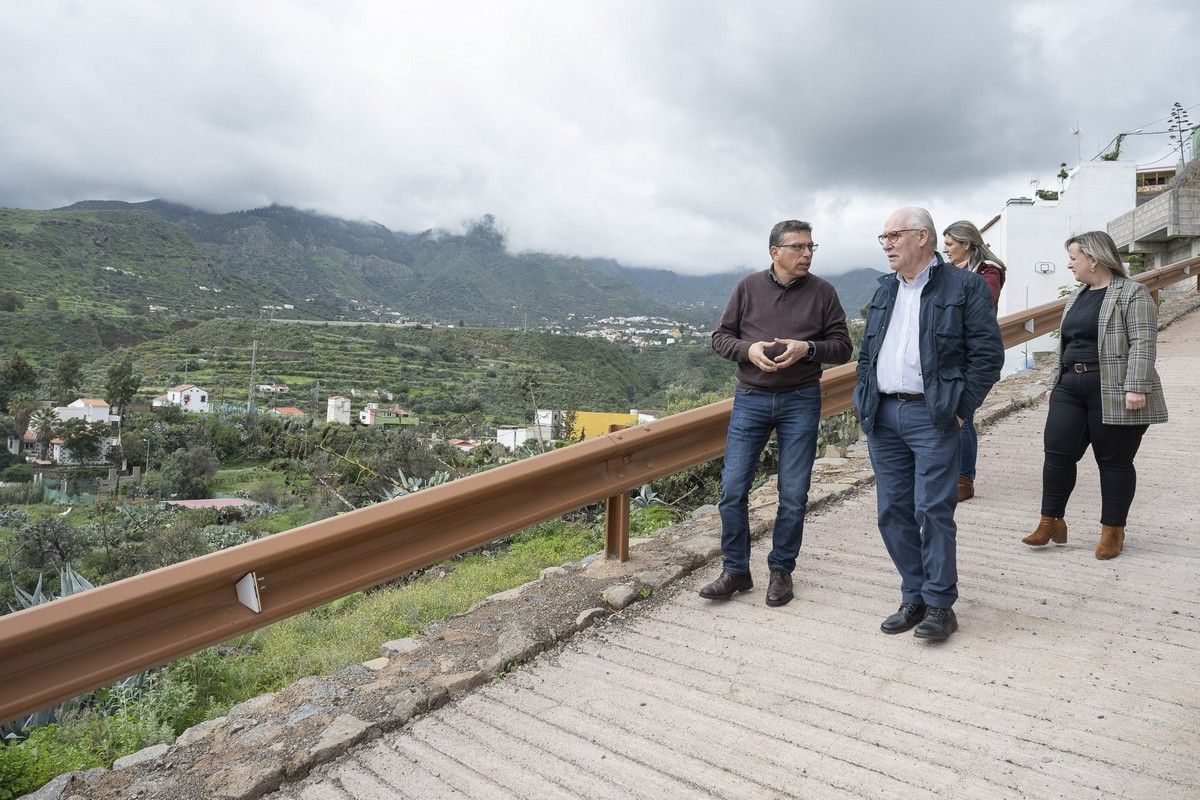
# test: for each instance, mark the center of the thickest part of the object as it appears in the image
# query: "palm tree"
(22, 405)
(44, 425)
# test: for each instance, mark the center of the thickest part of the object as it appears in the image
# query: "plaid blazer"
(1127, 338)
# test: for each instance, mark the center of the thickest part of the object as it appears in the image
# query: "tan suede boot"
(1112, 539)
(966, 488)
(1049, 529)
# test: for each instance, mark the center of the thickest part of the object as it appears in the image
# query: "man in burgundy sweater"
(780, 325)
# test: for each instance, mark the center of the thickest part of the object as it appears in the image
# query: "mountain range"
(158, 255)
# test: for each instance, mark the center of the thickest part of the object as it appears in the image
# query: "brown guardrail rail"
(72, 645)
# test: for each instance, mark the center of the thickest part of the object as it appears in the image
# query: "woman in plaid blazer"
(1107, 393)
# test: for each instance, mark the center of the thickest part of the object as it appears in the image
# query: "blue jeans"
(969, 441)
(916, 487)
(794, 416)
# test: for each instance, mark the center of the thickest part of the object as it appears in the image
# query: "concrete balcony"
(1152, 226)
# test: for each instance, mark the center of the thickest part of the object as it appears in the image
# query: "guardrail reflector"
(247, 592)
(1029, 325)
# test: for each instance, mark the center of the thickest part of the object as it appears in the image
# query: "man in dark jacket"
(930, 354)
(780, 325)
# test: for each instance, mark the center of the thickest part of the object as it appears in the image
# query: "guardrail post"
(1154, 296)
(616, 520)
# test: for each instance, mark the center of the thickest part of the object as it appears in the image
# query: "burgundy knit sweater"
(761, 309)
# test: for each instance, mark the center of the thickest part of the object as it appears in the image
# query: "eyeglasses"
(800, 248)
(891, 236)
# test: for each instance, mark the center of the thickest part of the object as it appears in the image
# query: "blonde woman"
(1107, 393)
(964, 248)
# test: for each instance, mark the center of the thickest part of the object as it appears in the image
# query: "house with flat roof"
(1166, 227)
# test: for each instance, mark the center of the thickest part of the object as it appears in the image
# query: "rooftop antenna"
(1078, 147)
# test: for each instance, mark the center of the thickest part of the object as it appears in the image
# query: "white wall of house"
(60, 454)
(513, 436)
(1029, 239)
(87, 410)
(338, 410)
(191, 398)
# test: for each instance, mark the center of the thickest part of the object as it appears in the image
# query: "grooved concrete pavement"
(1069, 677)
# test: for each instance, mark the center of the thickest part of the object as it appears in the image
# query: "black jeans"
(1073, 423)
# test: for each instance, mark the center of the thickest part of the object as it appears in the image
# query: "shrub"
(23, 494)
(13, 517)
(184, 473)
(219, 537)
(51, 541)
(121, 719)
(18, 473)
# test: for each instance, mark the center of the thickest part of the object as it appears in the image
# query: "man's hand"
(1135, 401)
(793, 351)
(759, 358)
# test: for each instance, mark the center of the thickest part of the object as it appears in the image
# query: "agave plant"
(645, 497)
(70, 582)
(408, 485)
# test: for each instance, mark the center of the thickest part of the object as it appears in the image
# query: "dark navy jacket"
(961, 349)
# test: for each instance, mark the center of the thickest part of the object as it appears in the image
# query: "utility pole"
(1180, 127)
(253, 368)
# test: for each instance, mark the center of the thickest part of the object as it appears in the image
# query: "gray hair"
(787, 226)
(965, 232)
(1099, 246)
(920, 219)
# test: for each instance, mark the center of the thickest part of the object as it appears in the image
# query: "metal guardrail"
(75, 644)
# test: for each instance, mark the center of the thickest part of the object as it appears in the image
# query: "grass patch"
(350, 630)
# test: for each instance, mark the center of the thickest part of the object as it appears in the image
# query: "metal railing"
(72, 645)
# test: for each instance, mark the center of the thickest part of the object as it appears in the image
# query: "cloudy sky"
(659, 133)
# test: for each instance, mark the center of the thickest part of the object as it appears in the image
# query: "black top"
(1080, 328)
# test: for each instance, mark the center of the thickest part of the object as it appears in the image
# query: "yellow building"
(590, 424)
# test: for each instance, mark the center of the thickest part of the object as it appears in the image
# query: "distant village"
(548, 425)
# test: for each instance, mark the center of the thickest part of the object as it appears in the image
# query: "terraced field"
(481, 374)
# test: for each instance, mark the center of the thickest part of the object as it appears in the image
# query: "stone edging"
(281, 737)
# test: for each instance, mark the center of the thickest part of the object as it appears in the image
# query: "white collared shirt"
(899, 366)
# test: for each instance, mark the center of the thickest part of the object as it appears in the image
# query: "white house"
(89, 409)
(513, 436)
(338, 410)
(373, 414)
(1028, 236)
(187, 397)
(273, 388)
(61, 454)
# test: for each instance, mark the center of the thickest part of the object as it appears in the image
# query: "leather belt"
(902, 396)
(1082, 368)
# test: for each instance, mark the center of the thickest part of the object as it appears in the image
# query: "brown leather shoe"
(725, 586)
(1049, 529)
(1112, 540)
(779, 588)
(966, 488)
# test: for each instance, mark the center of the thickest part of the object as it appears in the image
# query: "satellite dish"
(1074, 129)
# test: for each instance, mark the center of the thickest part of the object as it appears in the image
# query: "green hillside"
(42, 336)
(466, 375)
(108, 260)
(334, 268)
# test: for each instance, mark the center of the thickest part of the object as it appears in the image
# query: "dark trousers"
(795, 417)
(1074, 422)
(916, 488)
